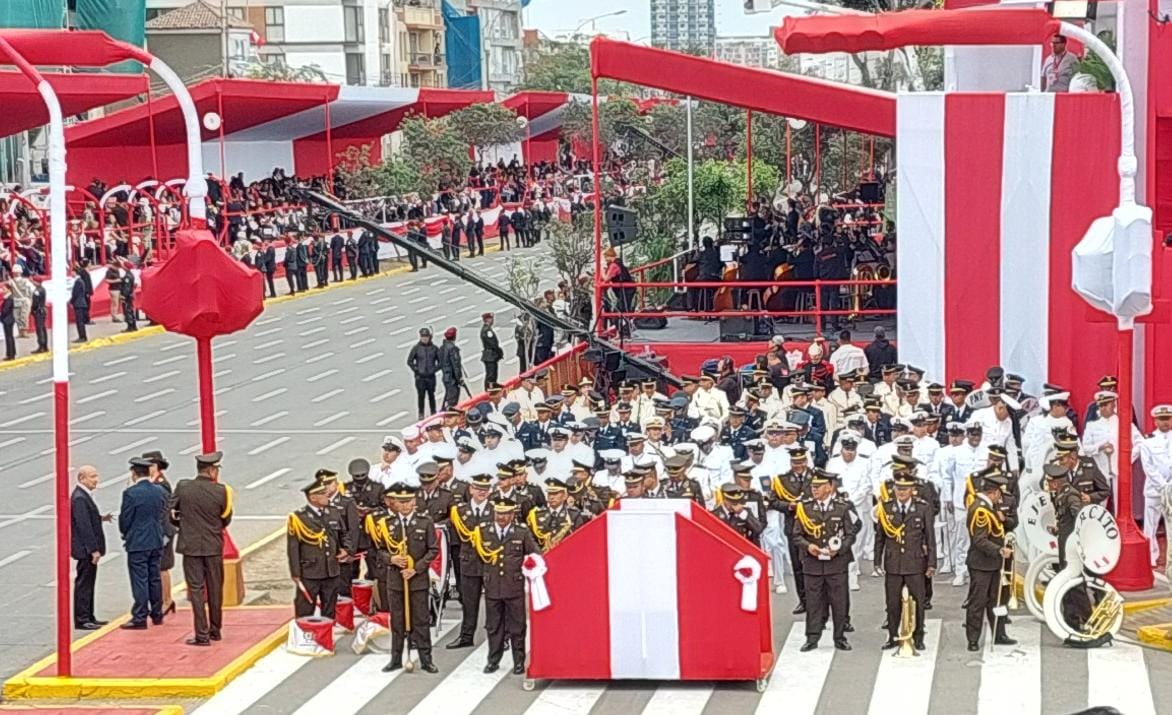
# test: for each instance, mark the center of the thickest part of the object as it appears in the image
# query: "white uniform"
(644, 407)
(718, 463)
(711, 403)
(1000, 432)
(888, 398)
(842, 401)
(1102, 432)
(1155, 454)
(963, 461)
(1036, 442)
(774, 540)
(613, 482)
(527, 401)
(866, 448)
(855, 480)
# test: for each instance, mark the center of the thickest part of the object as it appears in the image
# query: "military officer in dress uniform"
(506, 488)
(433, 499)
(609, 436)
(490, 349)
(733, 511)
(1085, 475)
(343, 518)
(202, 509)
(824, 529)
(557, 520)
(408, 541)
(737, 432)
(782, 494)
(466, 518)
(506, 544)
(906, 540)
(1068, 501)
(678, 485)
(986, 556)
(633, 482)
(314, 550)
(368, 498)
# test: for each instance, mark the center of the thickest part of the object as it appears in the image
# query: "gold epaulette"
(299, 530)
(984, 517)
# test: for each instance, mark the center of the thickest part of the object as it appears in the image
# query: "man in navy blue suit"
(87, 545)
(141, 524)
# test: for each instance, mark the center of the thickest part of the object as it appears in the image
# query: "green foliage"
(484, 125)
(616, 118)
(364, 179)
(523, 278)
(562, 67)
(397, 178)
(572, 246)
(437, 150)
(280, 72)
(1093, 65)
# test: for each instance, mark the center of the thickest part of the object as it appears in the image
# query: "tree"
(572, 246)
(486, 124)
(562, 67)
(617, 118)
(358, 174)
(437, 151)
(280, 72)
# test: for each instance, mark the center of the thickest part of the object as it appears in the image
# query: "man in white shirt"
(1155, 454)
(1100, 442)
(845, 399)
(968, 458)
(887, 390)
(939, 470)
(611, 475)
(710, 401)
(527, 397)
(851, 470)
(645, 403)
(925, 447)
(385, 471)
(997, 425)
(715, 458)
(848, 357)
(1058, 69)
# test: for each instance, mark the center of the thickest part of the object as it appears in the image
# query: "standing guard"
(824, 529)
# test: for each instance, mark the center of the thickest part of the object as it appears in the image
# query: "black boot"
(426, 664)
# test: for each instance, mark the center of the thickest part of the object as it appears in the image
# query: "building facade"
(501, 42)
(419, 28)
(684, 25)
(753, 51)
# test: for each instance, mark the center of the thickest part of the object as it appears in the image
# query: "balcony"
(425, 60)
(420, 14)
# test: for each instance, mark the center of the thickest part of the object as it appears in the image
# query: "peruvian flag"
(656, 589)
(994, 191)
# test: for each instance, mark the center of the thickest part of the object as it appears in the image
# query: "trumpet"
(1007, 581)
(907, 626)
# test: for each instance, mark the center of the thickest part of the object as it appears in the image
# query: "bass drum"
(1037, 579)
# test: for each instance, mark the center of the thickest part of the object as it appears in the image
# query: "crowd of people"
(825, 458)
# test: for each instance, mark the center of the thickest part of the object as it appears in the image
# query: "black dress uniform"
(733, 512)
(922, 489)
(312, 546)
(1088, 479)
(368, 498)
(505, 549)
(783, 493)
(822, 524)
(412, 536)
(908, 536)
(984, 561)
(465, 520)
(550, 525)
(584, 498)
(490, 351)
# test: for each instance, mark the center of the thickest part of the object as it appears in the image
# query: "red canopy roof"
(886, 31)
(855, 108)
(74, 48)
(24, 108)
(245, 103)
(530, 104)
(431, 103)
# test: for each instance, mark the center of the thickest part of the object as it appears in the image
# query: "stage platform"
(156, 663)
(686, 330)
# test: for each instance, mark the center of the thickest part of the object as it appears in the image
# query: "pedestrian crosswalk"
(1005, 679)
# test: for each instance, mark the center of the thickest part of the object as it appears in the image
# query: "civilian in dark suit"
(351, 247)
(8, 321)
(87, 545)
(40, 313)
(202, 509)
(79, 298)
(267, 264)
(141, 522)
(337, 244)
(129, 311)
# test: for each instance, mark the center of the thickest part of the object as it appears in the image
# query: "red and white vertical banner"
(994, 190)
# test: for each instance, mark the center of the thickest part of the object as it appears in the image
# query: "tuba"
(1095, 547)
(907, 626)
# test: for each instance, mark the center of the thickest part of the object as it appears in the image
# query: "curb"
(1158, 636)
(1147, 605)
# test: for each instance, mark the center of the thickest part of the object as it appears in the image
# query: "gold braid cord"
(227, 502)
(461, 528)
(892, 531)
(983, 518)
(808, 524)
(380, 535)
(542, 536)
(303, 533)
(488, 556)
(970, 492)
(781, 492)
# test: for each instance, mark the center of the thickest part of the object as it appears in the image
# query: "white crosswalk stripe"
(243, 692)
(558, 699)
(1011, 676)
(678, 700)
(906, 683)
(460, 692)
(1118, 677)
(798, 677)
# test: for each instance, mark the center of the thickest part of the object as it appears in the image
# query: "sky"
(561, 17)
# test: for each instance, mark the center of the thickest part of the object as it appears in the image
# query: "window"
(152, 13)
(355, 31)
(385, 74)
(275, 24)
(236, 13)
(355, 68)
(384, 25)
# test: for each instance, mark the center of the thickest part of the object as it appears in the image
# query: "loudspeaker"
(736, 330)
(869, 192)
(622, 225)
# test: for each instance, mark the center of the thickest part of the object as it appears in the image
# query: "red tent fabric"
(82, 48)
(862, 110)
(886, 31)
(24, 108)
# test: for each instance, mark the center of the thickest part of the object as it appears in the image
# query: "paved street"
(313, 382)
(1036, 676)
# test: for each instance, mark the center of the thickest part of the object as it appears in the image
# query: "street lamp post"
(591, 20)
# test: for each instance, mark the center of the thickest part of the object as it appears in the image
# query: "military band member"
(783, 492)
(678, 485)
(583, 497)
(908, 538)
(505, 546)
(343, 518)
(824, 530)
(465, 519)
(734, 511)
(986, 556)
(554, 522)
(1085, 475)
(1068, 501)
(314, 550)
(409, 544)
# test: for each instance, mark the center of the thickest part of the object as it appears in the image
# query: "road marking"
(307, 321)
(30, 400)
(406, 344)
(263, 333)
(164, 376)
(318, 358)
(106, 378)
(420, 299)
(25, 516)
(153, 395)
(270, 394)
(400, 331)
(312, 331)
(221, 358)
(410, 291)
(268, 478)
(270, 418)
(377, 375)
(173, 346)
(267, 375)
(267, 321)
(100, 395)
(21, 420)
(307, 311)
(1011, 676)
(132, 445)
(39, 480)
(677, 699)
(268, 358)
(268, 445)
(798, 678)
(14, 558)
(360, 343)
(906, 683)
(331, 447)
(380, 301)
(143, 418)
(351, 319)
(385, 395)
(462, 691)
(332, 418)
(387, 309)
(1118, 677)
(356, 331)
(445, 291)
(469, 308)
(368, 358)
(321, 375)
(226, 343)
(558, 699)
(119, 361)
(169, 360)
(344, 301)
(351, 309)
(268, 344)
(10, 442)
(217, 375)
(375, 291)
(193, 423)
(327, 395)
(191, 450)
(397, 416)
(395, 319)
(315, 343)
(87, 418)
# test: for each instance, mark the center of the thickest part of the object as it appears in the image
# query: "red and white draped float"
(653, 589)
